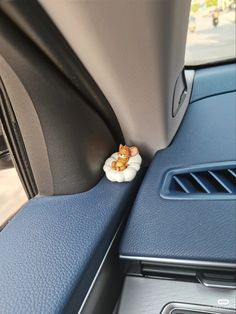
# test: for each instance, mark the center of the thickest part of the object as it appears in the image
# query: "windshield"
(211, 31)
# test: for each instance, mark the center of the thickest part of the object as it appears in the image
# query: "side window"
(12, 194)
(211, 31)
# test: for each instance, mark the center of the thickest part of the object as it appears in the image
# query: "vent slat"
(218, 179)
(200, 182)
(181, 184)
(232, 172)
(211, 182)
(228, 179)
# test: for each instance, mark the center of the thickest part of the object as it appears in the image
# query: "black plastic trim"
(60, 129)
(16, 144)
(31, 18)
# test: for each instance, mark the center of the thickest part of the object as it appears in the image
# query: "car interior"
(77, 79)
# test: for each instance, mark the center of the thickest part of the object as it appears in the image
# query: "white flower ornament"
(123, 165)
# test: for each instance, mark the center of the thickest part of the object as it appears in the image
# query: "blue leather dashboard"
(195, 230)
(55, 244)
(214, 81)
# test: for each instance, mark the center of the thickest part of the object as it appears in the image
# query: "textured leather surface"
(57, 243)
(195, 230)
(214, 81)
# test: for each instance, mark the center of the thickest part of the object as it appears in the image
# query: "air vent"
(214, 181)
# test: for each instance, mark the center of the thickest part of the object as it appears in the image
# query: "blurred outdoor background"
(211, 31)
(12, 194)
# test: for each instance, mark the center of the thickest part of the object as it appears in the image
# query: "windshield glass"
(211, 31)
